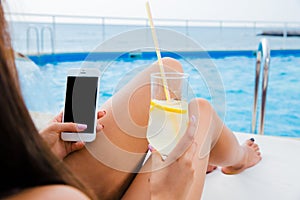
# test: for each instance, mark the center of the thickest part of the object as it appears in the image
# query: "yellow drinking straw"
(161, 68)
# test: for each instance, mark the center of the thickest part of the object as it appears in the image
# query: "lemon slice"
(166, 108)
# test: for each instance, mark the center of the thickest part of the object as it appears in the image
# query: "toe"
(258, 153)
(210, 168)
(249, 142)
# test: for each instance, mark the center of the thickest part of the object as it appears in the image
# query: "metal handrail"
(183, 20)
(51, 38)
(262, 56)
(36, 31)
(104, 21)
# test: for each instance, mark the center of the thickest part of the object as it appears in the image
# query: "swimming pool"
(43, 87)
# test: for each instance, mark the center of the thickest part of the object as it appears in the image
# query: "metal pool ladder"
(40, 48)
(262, 57)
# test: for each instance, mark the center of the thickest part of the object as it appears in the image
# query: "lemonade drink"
(167, 123)
(168, 114)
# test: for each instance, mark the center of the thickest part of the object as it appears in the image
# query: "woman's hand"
(51, 135)
(173, 177)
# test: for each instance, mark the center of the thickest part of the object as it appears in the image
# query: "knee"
(200, 108)
(172, 64)
(199, 104)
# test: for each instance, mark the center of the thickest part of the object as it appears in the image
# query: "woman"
(30, 170)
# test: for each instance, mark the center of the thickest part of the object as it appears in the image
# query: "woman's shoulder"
(50, 192)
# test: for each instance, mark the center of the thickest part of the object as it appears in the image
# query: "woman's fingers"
(100, 114)
(156, 159)
(58, 118)
(68, 148)
(99, 127)
(77, 146)
(73, 127)
(67, 127)
(185, 142)
(191, 152)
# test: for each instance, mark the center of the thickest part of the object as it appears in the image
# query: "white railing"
(185, 22)
(186, 25)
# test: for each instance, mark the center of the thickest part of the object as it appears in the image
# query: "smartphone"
(81, 103)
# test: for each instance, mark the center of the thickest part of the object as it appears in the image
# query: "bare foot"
(251, 158)
(210, 168)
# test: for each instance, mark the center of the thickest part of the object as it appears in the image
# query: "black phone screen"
(80, 103)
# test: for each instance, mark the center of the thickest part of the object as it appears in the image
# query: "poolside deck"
(277, 176)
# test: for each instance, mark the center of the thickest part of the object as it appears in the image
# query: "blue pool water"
(43, 87)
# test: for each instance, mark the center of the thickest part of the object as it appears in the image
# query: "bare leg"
(226, 152)
(251, 158)
(107, 164)
(141, 182)
(229, 154)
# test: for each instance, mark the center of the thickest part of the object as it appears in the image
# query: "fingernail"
(193, 119)
(252, 139)
(104, 112)
(100, 126)
(81, 127)
(151, 149)
(81, 143)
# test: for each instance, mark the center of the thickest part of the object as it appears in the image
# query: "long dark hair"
(26, 160)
